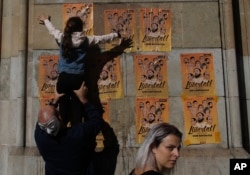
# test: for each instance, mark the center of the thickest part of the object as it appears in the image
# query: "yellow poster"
(110, 81)
(100, 138)
(84, 11)
(155, 29)
(123, 21)
(201, 120)
(151, 75)
(198, 74)
(48, 75)
(46, 101)
(149, 111)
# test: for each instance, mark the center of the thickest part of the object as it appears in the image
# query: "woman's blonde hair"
(145, 158)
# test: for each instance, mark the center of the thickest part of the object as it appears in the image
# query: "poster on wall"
(155, 29)
(106, 117)
(151, 75)
(149, 111)
(198, 74)
(48, 75)
(84, 11)
(110, 84)
(123, 21)
(46, 101)
(201, 120)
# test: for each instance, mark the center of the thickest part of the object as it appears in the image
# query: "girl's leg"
(64, 108)
(76, 105)
(63, 86)
(77, 110)
(70, 107)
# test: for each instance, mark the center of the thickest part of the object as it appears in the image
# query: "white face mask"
(52, 127)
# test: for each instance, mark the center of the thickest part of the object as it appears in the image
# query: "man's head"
(48, 120)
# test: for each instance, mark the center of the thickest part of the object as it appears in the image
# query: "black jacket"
(71, 151)
(150, 172)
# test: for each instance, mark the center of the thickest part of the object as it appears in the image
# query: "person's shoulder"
(151, 172)
(132, 172)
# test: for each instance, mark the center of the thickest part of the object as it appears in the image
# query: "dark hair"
(74, 24)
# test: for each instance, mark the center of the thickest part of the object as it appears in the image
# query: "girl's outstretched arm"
(45, 20)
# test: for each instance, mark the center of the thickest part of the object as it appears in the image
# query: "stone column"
(230, 74)
(13, 80)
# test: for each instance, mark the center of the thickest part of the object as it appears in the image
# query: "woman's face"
(167, 153)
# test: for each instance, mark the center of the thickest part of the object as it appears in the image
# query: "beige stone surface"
(42, 39)
(25, 161)
(200, 25)
(193, 24)
(196, 27)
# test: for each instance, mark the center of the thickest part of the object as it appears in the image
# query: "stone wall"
(197, 26)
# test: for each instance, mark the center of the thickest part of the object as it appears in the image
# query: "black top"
(70, 152)
(150, 172)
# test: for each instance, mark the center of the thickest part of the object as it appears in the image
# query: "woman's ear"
(153, 148)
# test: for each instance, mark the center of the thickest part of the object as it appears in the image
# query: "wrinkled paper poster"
(198, 74)
(149, 111)
(155, 29)
(48, 75)
(84, 11)
(151, 75)
(110, 83)
(123, 21)
(201, 120)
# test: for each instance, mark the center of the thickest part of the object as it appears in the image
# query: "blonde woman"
(159, 152)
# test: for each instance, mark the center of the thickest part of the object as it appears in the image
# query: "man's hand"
(42, 18)
(82, 93)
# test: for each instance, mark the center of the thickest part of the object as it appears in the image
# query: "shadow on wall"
(105, 160)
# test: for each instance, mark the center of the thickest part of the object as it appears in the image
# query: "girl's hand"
(42, 18)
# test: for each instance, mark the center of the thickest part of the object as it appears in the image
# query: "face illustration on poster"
(200, 113)
(151, 113)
